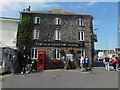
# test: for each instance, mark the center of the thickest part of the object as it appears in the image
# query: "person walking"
(117, 63)
(87, 62)
(82, 63)
(114, 61)
(106, 62)
(28, 64)
(23, 61)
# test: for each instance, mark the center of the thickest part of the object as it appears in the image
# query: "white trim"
(34, 49)
(56, 53)
(57, 35)
(80, 22)
(57, 21)
(36, 34)
(80, 34)
(36, 20)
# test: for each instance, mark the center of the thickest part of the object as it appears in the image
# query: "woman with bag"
(114, 61)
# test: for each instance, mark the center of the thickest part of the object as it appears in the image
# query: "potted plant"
(56, 61)
(71, 50)
(78, 51)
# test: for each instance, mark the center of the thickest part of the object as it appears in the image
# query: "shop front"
(53, 55)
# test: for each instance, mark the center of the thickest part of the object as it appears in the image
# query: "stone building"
(57, 31)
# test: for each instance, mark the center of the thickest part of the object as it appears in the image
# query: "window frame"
(80, 22)
(36, 34)
(57, 53)
(80, 38)
(34, 55)
(36, 21)
(57, 21)
(57, 35)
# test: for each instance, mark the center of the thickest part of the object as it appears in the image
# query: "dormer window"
(57, 21)
(80, 22)
(37, 20)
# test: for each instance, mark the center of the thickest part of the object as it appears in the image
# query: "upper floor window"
(81, 36)
(34, 53)
(57, 21)
(80, 22)
(36, 34)
(37, 20)
(56, 53)
(57, 35)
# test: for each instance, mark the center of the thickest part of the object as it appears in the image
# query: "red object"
(114, 60)
(41, 60)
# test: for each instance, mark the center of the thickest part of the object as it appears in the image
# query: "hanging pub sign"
(58, 44)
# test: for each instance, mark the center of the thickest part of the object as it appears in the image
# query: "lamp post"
(93, 39)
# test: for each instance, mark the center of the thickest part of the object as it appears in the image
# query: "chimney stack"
(28, 9)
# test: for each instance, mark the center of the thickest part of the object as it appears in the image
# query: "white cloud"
(91, 3)
(12, 8)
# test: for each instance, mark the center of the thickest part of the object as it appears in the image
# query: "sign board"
(59, 44)
(69, 56)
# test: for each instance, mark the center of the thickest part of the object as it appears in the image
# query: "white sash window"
(57, 21)
(80, 22)
(37, 20)
(36, 34)
(56, 53)
(57, 35)
(34, 53)
(81, 36)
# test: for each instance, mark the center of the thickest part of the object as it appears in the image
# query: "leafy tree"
(25, 36)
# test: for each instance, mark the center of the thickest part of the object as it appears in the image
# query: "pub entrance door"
(41, 60)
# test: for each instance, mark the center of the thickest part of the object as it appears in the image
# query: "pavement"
(60, 78)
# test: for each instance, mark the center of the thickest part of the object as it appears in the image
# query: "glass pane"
(32, 53)
(35, 53)
(40, 62)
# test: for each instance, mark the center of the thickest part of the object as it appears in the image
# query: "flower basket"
(70, 50)
(78, 51)
(56, 61)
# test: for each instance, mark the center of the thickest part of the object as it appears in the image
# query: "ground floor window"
(34, 53)
(56, 53)
(83, 52)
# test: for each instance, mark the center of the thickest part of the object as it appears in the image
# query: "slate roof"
(55, 11)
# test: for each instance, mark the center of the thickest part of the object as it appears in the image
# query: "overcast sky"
(105, 15)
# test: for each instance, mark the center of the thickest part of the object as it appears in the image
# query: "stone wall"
(69, 31)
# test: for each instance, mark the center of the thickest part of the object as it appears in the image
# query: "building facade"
(57, 32)
(8, 31)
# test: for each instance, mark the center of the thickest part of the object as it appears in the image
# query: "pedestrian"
(82, 63)
(65, 64)
(23, 61)
(107, 63)
(117, 63)
(28, 64)
(33, 65)
(12, 64)
(87, 62)
(114, 61)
